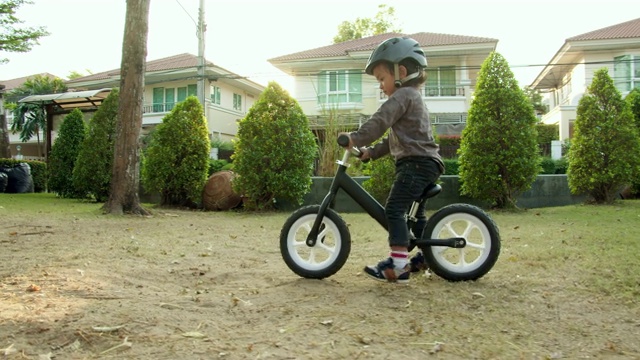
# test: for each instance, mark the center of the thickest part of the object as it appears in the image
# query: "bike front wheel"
(330, 251)
(482, 242)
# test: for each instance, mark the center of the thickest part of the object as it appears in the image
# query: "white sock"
(400, 258)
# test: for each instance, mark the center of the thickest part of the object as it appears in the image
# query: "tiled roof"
(14, 83)
(181, 61)
(369, 43)
(625, 30)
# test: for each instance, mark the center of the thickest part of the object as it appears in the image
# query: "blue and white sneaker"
(386, 271)
(417, 263)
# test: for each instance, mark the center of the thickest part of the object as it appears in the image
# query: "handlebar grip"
(343, 140)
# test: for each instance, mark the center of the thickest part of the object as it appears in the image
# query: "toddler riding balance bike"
(460, 241)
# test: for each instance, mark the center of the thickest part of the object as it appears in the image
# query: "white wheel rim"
(475, 233)
(323, 253)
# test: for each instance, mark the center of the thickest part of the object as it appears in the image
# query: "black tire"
(481, 234)
(330, 252)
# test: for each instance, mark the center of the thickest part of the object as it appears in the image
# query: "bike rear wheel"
(482, 242)
(330, 251)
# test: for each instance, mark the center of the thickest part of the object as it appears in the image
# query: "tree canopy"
(382, 22)
(14, 38)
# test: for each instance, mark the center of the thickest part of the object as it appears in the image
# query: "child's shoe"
(417, 263)
(386, 271)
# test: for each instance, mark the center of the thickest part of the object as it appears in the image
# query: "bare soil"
(209, 285)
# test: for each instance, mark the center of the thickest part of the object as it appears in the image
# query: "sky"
(241, 35)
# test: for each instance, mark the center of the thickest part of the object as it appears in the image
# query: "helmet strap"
(396, 73)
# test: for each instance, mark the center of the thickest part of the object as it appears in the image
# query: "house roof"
(625, 30)
(176, 67)
(616, 37)
(17, 82)
(175, 62)
(370, 43)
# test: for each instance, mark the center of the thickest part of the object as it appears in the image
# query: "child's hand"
(366, 155)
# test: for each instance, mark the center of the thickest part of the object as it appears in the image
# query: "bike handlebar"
(343, 140)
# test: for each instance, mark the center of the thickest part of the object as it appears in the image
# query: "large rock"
(218, 193)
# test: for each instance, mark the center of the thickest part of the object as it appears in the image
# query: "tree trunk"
(5, 152)
(125, 180)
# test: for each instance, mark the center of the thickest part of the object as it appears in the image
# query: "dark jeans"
(413, 175)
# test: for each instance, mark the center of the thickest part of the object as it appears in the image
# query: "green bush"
(548, 165)
(64, 153)
(449, 140)
(382, 172)
(94, 166)
(275, 151)
(216, 165)
(176, 162)
(451, 166)
(498, 156)
(605, 150)
(633, 99)
(547, 133)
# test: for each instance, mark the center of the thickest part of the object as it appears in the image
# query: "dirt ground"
(212, 285)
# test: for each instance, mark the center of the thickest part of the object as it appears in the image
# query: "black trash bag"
(20, 179)
(4, 179)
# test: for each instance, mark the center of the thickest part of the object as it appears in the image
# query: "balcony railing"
(430, 91)
(158, 108)
(435, 91)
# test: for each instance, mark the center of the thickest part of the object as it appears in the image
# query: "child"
(398, 64)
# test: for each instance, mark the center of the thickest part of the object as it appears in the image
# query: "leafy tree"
(498, 151)
(14, 38)
(536, 100)
(363, 27)
(30, 119)
(64, 153)
(633, 99)
(605, 152)
(275, 151)
(76, 74)
(92, 171)
(125, 180)
(176, 163)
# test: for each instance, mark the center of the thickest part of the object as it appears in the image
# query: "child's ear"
(403, 71)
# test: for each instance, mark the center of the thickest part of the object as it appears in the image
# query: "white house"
(567, 76)
(227, 96)
(330, 82)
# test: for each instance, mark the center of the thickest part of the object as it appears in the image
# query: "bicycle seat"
(431, 191)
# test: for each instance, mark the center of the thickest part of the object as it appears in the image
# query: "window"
(342, 86)
(169, 98)
(215, 95)
(158, 99)
(184, 92)
(441, 81)
(237, 102)
(626, 72)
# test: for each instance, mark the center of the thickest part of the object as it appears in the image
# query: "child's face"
(385, 78)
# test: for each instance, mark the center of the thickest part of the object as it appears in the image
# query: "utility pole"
(202, 27)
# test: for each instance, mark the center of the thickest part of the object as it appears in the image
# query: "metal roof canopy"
(65, 102)
(70, 100)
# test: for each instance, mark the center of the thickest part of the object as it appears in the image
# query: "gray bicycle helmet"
(395, 50)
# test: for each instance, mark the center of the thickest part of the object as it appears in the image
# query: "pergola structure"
(64, 103)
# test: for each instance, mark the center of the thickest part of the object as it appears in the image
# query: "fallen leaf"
(194, 334)
(33, 288)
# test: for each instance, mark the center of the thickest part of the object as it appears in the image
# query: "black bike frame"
(343, 181)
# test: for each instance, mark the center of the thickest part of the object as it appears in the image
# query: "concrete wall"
(546, 191)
